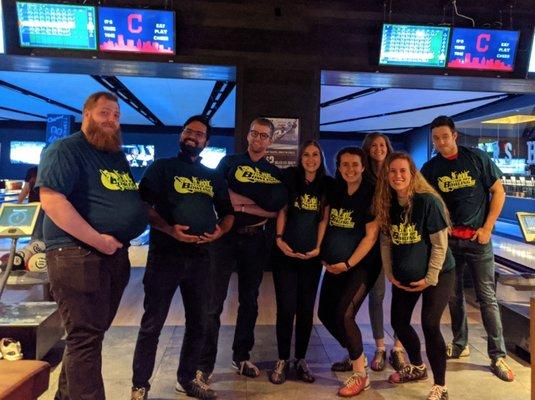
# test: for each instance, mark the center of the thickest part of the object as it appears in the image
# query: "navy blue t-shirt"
(185, 193)
(260, 181)
(348, 217)
(98, 184)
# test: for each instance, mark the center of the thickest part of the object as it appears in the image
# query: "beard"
(103, 140)
(189, 150)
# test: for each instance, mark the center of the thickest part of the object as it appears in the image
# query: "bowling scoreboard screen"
(414, 45)
(24, 152)
(483, 49)
(1, 30)
(58, 26)
(531, 67)
(136, 31)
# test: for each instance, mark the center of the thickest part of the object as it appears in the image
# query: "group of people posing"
(379, 216)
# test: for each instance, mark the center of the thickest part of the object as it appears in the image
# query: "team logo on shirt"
(115, 180)
(341, 218)
(247, 174)
(458, 180)
(404, 234)
(307, 202)
(194, 185)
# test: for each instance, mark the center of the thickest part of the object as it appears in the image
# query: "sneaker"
(438, 393)
(278, 375)
(139, 393)
(246, 368)
(379, 360)
(355, 384)
(342, 366)
(503, 371)
(454, 351)
(409, 373)
(10, 349)
(302, 371)
(196, 388)
(397, 359)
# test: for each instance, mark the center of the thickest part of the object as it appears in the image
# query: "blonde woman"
(414, 227)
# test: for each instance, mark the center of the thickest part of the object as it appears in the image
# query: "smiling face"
(399, 176)
(259, 139)
(378, 150)
(351, 168)
(194, 134)
(311, 159)
(101, 125)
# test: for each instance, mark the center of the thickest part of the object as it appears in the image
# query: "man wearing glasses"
(190, 208)
(257, 194)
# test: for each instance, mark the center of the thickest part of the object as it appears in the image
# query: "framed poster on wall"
(283, 151)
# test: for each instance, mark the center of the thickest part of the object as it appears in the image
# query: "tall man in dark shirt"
(93, 210)
(257, 193)
(465, 178)
(185, 196)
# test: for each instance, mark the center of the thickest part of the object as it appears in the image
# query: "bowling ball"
(26, 252)
(37, 263)
(4, 259)
(18, 261)
(37, 246)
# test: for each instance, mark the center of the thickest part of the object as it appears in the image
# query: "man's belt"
(250, 230)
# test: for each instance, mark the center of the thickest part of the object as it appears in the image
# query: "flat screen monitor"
(139, 155)
(414, 45)
(527, 225)
(483, 49)
(136, 31)
(1, 30)
(531, 67)
(212, 155)
(57, 26)
(21, 152)
(18, 219)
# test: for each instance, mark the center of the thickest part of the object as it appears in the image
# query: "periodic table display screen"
(483, 49)
(58, 26)
(138, 31)
(414, 45)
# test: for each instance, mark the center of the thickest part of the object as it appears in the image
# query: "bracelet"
(347, 265)
(278, 236)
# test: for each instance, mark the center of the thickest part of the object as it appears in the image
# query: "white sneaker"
(10, 349)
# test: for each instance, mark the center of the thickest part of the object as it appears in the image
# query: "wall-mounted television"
(414, 45)
(531, 67)
(137, 31)
(57, 26)
(23, 152)
(212, 155)
(1, 30)
(139, 155)
(483, 49)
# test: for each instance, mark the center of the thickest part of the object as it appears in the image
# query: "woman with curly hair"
(414, 225)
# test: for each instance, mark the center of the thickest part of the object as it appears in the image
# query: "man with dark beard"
(93, 210)
(190, 208)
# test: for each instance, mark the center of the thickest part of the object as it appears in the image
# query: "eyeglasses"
(197, 134)
(255, 134)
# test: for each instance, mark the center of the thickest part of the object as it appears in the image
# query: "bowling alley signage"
(136, 30)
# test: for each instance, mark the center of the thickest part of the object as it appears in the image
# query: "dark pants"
(340, 299)
(246, 251)
(296, 283)
(434, 301)
(165, 272)
(479, 258)
(87, 286)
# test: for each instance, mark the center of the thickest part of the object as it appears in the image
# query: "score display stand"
(36, 325)
(527, 225)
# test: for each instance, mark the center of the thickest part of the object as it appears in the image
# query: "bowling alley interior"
(330, 71)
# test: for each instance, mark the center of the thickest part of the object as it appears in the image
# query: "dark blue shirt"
(98, 184)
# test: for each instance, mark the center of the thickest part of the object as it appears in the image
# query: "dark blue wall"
(417, 144)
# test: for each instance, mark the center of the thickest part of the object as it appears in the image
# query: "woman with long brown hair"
(377, 147)
(414, 227)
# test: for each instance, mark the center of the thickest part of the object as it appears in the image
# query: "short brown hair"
(264, 122)
(92, 100)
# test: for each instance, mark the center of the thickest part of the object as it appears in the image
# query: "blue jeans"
(480, 259)
(246, 252)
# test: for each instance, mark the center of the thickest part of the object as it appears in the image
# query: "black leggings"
(435, 299)
(340, 299)
(296, 283)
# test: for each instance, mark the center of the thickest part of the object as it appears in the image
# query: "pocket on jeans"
(78, 270)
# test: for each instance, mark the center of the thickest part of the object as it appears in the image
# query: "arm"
(64, 215)
(246, 205)
(281, 224)
(497, 201)
(175, 231)
(363, 248)
(439, 247)
(24, 192)
(386, 259)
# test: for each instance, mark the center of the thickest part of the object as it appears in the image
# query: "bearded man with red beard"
(93, 210)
